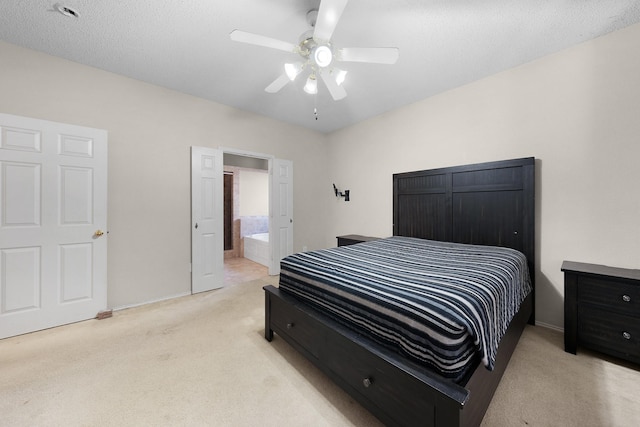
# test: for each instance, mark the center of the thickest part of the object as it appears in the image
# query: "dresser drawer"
(287, 319)
(380, 384)
(604, 330)
(616, 295)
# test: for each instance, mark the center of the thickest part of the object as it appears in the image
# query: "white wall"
(253, 192)
(577, 112)
(150, 132)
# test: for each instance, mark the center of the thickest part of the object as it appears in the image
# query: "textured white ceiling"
(184, 45)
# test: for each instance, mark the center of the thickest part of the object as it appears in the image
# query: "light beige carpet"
(202, 360)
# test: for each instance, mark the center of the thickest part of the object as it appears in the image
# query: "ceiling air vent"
(66, 11)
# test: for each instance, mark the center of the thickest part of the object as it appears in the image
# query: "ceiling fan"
(318, 53)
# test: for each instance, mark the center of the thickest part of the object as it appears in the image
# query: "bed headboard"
(484, 204)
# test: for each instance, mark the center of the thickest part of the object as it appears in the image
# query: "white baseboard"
(549, 326)
(124, 307)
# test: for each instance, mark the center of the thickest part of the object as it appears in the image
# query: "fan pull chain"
(315, 107)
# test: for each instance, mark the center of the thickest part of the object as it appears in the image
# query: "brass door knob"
(98, 233)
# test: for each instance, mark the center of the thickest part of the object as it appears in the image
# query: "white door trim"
(245, 153)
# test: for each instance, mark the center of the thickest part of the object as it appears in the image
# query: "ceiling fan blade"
(337, 92)
(256, 39)
(376, 55)
(278, 84)
(328, 17)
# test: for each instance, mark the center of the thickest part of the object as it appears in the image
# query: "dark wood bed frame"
(488, 204)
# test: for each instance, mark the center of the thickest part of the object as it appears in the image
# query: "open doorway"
(246, 217)
(207, 215)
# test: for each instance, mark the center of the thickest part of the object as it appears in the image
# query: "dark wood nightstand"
(602, 309)
(352, 239)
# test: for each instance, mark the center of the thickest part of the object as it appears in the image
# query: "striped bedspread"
(441, 304)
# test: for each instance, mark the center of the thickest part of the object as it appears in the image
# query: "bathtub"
(256, 248)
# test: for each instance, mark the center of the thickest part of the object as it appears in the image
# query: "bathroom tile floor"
(240, 270)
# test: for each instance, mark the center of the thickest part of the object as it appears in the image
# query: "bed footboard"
(392, 388)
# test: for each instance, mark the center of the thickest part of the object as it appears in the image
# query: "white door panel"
(21, 279)
(281, 212)
(75, 272)
(207, 239)
(53, 200)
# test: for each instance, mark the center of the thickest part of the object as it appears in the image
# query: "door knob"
(98, 233)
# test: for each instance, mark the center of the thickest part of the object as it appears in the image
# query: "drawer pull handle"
(626, 298)
(626, 335)
(367, 382)
(290, 325)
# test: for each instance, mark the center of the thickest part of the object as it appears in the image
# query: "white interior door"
(281, 212)
(207, 225)
(53, 219)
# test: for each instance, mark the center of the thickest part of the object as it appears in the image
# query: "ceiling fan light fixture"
(317, 53)
(311, 87)
(340, 75)
(322, 56)
(292, 70)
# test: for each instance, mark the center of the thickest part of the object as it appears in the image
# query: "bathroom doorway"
(246, 217)
(207, 214)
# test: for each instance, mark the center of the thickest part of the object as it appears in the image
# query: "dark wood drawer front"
(617, 296)
(380, 383)
(602, 309)
(606, 330)
(288, 320)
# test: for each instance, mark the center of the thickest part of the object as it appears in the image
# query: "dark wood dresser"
(602, 309)
(352, 239)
